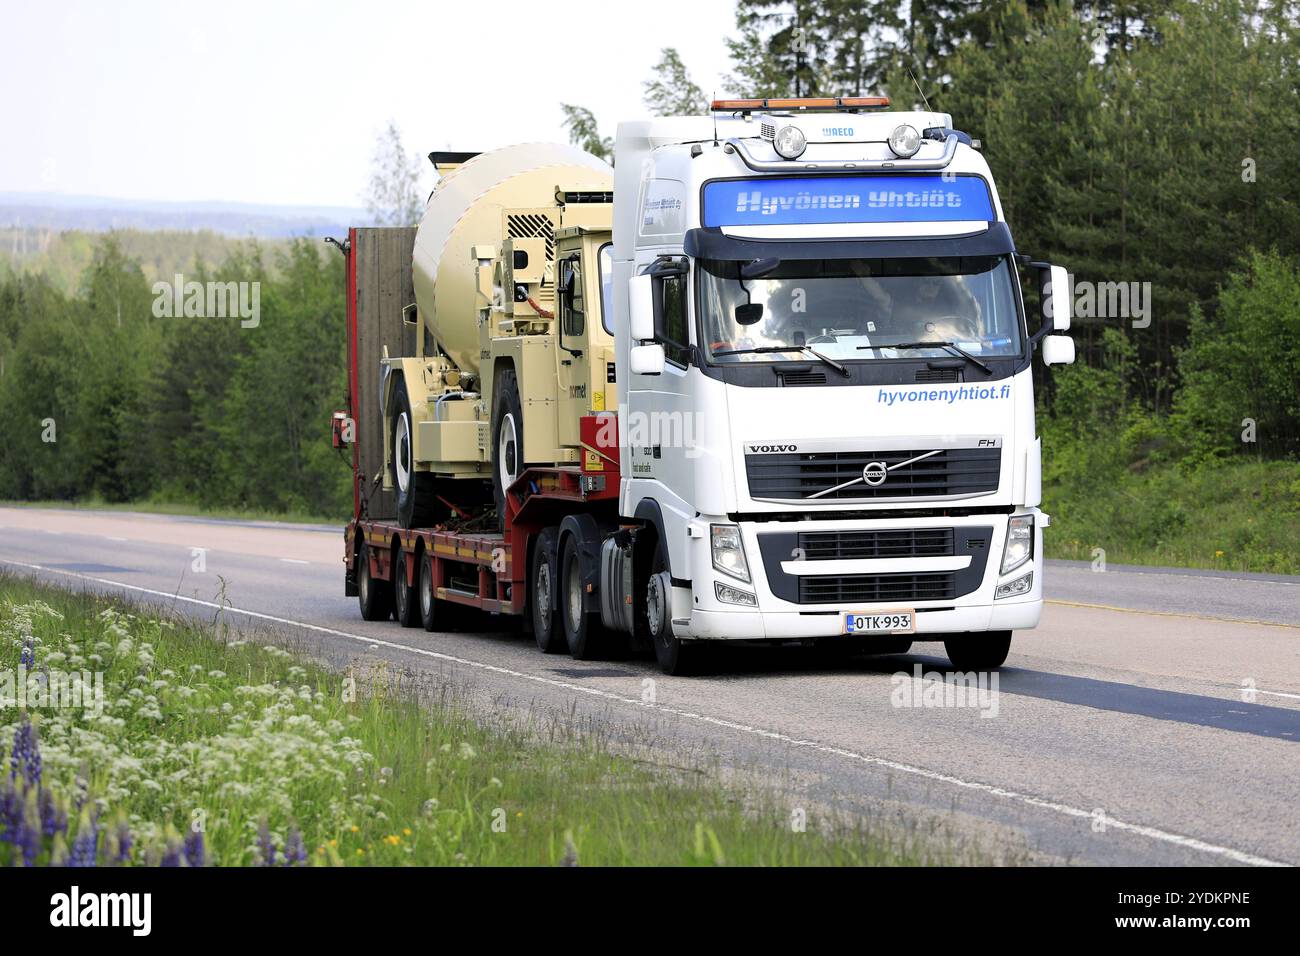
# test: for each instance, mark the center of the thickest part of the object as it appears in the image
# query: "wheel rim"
(363, 577)
(655, 608)
(426, 587)
(507, 451)
(542, 595)
(402, 454)
(573, 591)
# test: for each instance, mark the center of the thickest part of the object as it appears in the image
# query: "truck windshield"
(853, 309)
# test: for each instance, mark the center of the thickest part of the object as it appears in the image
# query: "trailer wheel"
(428, 602)
(417, 507)
(674, 655)
(375, 597)
(542, 594)
(978, 652)
(507, 439)
(406, 607)
(583, 631)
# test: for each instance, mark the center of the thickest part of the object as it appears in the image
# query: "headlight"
(905, 141)
(1020, 542)
(1021, 585)
(728, 555)
(790, 142)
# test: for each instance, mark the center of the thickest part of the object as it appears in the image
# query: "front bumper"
(698, 615)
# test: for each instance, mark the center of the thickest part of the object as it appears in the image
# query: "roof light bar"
(803, 103)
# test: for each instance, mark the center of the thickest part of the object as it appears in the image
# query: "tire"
(507, 439)
(430, 609)
(978, 651)
(542, 593)
(406, 603)
(674, 656)
(583, 632)
(375, 597)
(417, 507)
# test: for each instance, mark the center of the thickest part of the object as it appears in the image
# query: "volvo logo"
(874, 473)
(771, 449)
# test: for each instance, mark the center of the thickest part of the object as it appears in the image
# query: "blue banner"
(794, 200)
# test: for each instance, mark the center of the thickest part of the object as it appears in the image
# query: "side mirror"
(648, 359)
(641, 308)
(1058, 350)
(568, 281)
(1056, 298)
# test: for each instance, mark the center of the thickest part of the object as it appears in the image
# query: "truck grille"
(874, 588)
(900, 543)
(862, 589)
(800, 475)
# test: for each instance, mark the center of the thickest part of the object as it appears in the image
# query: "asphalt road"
(1153, 718)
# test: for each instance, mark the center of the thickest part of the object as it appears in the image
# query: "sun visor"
(711, 243)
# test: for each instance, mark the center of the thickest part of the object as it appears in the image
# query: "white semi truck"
(825, 420)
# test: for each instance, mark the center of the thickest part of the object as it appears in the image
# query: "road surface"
(1153, 718)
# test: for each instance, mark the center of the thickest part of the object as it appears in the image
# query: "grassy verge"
(183, 509)
(1239, 516)
(279, 761)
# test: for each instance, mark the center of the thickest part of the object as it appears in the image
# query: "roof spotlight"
(905, 141)
(790, 142)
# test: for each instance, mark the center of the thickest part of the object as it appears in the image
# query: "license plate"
(881, 622)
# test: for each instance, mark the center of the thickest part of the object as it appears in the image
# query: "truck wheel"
(674, 656)
(507, 439)
(416, 505)
(978, 652)
(406, 607)
(583, 632)
(428, 602)
(542, 594)
(374, 596)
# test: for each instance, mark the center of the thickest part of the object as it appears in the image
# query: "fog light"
(729, 595)
(790, 142)
(1021, 585)
(905, 141)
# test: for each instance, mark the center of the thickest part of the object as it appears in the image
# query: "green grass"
(261, 744)
(184, 509)
(1241, 515)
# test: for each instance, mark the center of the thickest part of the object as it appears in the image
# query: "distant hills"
(59, 212)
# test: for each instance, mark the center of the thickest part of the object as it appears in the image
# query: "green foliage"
(584, 132)
(1243, 365)
(105, 400)
(670, 91)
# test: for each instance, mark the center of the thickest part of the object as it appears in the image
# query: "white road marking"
(294, 561)
(110, 538)
(1041, 803)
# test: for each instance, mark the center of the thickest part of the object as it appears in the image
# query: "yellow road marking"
(1195, 617)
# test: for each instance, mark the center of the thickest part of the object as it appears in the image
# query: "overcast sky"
(280, 102)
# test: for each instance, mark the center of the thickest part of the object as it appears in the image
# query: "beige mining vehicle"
(511, 269)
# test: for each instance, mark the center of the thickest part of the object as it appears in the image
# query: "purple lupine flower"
(124, 842)
(85, 848)
(172, 854)
(54, 814)
(11, 810)
(265, 846)
(28, 838)
(26, 755)
(295, 852)
(28, 657)
(195, 852)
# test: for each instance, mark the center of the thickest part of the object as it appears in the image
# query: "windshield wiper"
(932, 345)
(761, 349)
